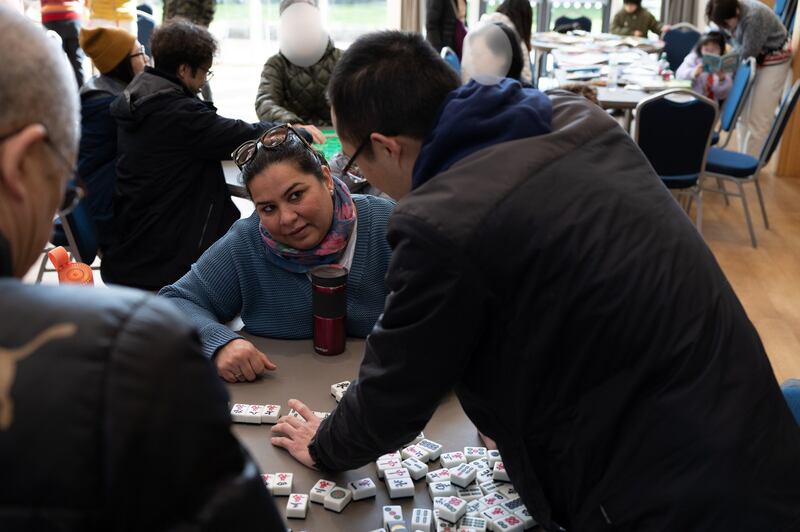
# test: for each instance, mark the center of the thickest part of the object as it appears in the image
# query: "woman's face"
(731, 23)
(294, 207)
(138, 58)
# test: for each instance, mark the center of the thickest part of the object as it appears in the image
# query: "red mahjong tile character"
(497, 511)
(298, 498)
(282, 476)
(512, 520)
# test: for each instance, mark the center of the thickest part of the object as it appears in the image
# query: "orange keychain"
(70, 272)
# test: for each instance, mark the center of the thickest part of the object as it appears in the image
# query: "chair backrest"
(740, 92)
(146, 24)
(564, 24)
(678, 42)
(788, 15)
(776, 131)
(451, 58)
(673, 129)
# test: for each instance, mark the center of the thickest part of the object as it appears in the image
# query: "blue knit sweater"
(234, 277)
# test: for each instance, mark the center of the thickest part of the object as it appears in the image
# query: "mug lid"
(329, 275)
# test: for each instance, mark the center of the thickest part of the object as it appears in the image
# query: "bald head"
(36, 85)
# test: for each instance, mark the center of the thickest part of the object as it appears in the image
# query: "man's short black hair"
(718, 11)
(637, 3)
(178, 42)
(389, 82)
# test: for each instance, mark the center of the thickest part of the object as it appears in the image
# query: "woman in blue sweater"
(304, 217)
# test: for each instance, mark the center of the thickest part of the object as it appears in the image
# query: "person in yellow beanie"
(119, 57)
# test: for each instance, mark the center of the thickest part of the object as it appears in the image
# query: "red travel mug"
(329, 304)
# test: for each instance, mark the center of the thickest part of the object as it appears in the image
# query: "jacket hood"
(474, 117)
(101, 85)
(152, 85)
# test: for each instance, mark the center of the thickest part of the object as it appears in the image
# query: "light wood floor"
(766, 279)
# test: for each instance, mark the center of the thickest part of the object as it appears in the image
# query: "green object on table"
(332, 145)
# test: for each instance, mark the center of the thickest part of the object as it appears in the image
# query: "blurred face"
(294, 207)
(710, 48)
(194, 81)
(138, 58)
(630, 8)
(731, 23)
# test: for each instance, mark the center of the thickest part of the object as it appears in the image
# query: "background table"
(304, 375)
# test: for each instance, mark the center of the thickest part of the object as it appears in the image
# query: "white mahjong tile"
(400, 487)
(240, 413)
(268, 481)
(472, 524)
(493, 455)
(470, 494)
(434, 449)
(499, 472)
(416, 469)
(321, 415)
(441, 489)
(473, 453)
(337, 499)
(527, 520)
(438, 475)
(463, 475)
(392, 515)
(362, 489)
(320, 490)
(508, 490)
(338, 389)
(493, 499)
(510, 523)
(484, 475)
(386, 465)
(297, 506)
(450, 508)
(475, 507)
(270, 414)
(494, 513)
(390, 456)
(452, 459)
(413, 451)
(282, 484)
(400, 472)
(489, 486)
(421, 520)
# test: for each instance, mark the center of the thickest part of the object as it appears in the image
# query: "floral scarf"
(332, 247)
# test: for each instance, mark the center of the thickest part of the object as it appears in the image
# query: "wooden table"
(304, 375)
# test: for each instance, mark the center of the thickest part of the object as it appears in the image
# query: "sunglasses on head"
(270, 139)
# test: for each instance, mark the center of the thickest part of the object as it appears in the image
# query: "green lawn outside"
(372, 14)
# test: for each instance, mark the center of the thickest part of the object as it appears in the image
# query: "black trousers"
(69, 31)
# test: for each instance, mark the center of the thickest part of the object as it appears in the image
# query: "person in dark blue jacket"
(119, 57)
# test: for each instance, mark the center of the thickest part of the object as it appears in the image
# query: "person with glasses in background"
(119, 57)
(95, 433)
(171, 201)
(304, 217)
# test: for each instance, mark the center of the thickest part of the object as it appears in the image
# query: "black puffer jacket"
(293, 94)
(440, 24)
(171, 201)
(111, 419)
(554, 283)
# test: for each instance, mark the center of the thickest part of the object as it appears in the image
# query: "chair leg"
(747, 215)
(761, 201)
(721, 186)
(687, 202)
(41, 269)
(699, 214)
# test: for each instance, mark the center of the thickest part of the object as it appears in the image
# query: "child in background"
(635, 21)
(713, 85)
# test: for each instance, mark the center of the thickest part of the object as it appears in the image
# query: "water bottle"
(329, 304)
(613, 72)
(70, 272)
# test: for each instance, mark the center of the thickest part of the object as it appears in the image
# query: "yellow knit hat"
(106, 46)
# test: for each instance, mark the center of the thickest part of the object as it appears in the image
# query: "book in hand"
(726, 63)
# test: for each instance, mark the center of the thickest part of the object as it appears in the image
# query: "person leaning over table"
(636, 21)
(542, 272)
(111, 419)
(304, 217)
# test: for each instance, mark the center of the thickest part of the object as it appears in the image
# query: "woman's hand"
(697, 71)
(317, 135)
(638, 33)
(239, 360)
(297, 434)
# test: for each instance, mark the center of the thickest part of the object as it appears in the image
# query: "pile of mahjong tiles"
(470, 491)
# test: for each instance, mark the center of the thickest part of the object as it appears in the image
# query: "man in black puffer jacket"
(542, 271)
(110, 417)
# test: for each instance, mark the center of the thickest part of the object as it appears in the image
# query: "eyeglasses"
(351, 167)
(141, 52)
(209, 73)
(73, 192)
(271, 139)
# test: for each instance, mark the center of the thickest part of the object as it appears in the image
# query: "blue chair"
(73, 229)
(146, 24)
(678, 42)
(786, 9)
(451, 58)
(673, 129)
(565, 24)
(734, 105)
(741, 168)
